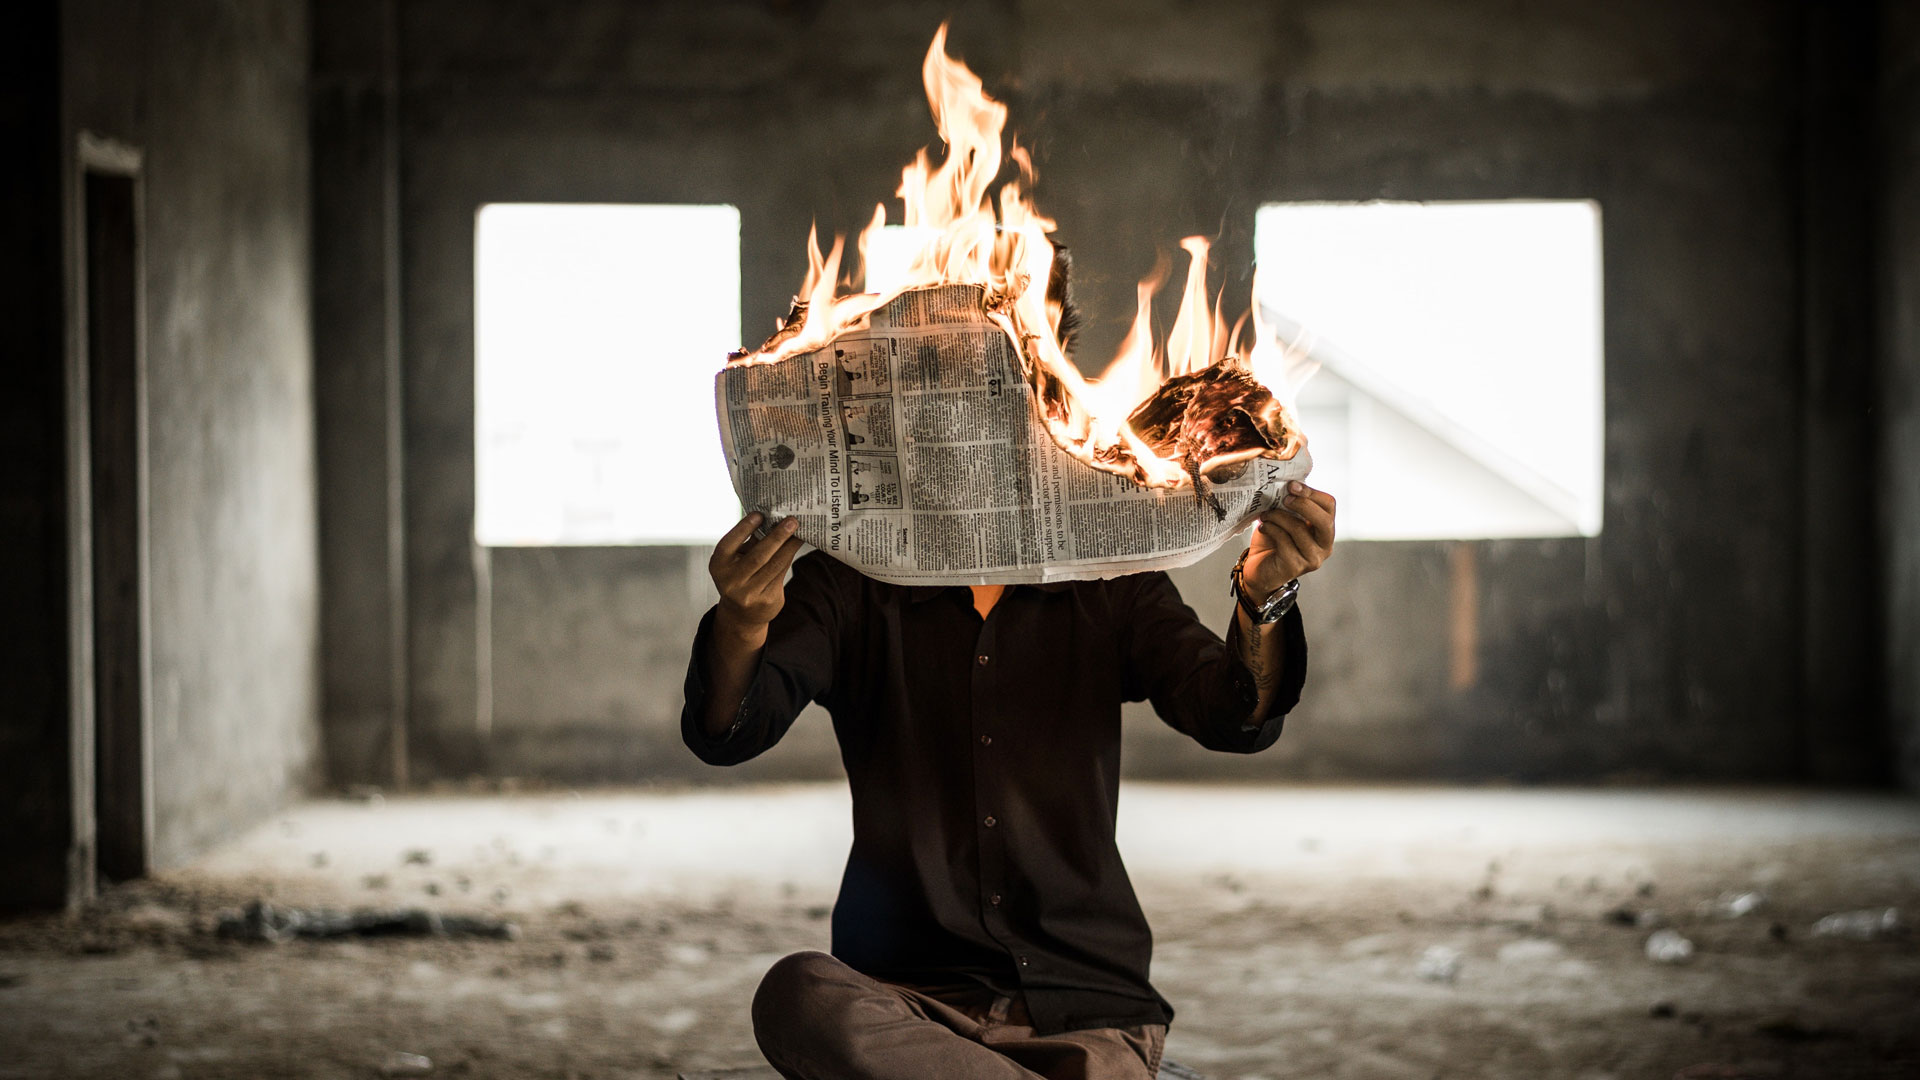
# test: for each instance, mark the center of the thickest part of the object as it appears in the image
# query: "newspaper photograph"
(910, 450)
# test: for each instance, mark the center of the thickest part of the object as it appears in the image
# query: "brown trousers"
(818, 1019)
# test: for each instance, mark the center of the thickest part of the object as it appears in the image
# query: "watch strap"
(1269, 610)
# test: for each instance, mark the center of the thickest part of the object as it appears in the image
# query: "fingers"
(1298, 534)
(773, 574)
(755, 555)
(1321, 498)
(750, 574)
(736, 536)
(1316, 517)
(1280, 563)
(1261, 539)
(1300, 539)
(742, 566)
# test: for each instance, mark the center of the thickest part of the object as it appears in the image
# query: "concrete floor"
(1291, 925)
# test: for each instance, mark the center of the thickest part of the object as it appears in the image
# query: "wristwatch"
(1270, 610)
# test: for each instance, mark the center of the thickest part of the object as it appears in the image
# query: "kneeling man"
(985, 925)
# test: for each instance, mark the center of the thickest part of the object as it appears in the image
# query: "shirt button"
(986, 740)
(991, 821)
(1023, 961)
(994, 899)
(981, 659)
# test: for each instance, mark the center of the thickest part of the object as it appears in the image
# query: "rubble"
(1863, 925)
(1669, 947)
(400, 1063)
(262, 921)
(1732, 905)
(1439, 964)
(1644, 918)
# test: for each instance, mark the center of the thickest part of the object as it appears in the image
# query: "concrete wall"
(1677, 644)
(214, 94)
(1900, 372)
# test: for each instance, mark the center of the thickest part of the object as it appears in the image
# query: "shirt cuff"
(693, 726)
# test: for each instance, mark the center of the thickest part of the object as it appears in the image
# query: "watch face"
(1278, 604)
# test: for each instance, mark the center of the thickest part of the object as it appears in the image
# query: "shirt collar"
(920, 593)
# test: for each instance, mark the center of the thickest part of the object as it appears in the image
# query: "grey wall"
(1900, 349)
(214, 95)
(1708, 632)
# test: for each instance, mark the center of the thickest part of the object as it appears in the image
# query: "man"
(985, 927)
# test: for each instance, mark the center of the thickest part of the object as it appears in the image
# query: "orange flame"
(1002, 245)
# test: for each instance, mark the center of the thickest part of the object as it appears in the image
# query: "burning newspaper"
(911, 449)
(936, 432)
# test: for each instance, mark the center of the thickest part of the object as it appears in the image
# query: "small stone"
(1669, 947)
(404, 1064)
(1439, 964)
(1863, 925)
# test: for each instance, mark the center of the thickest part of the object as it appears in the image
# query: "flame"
(1150, 416)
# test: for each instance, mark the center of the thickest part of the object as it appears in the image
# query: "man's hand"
(751, 575)
(1291, 540)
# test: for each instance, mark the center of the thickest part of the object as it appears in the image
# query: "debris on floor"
(1732, 905)
(1791, 1029)
(262, 921)
(1669, 947)
(1864, 925)
(400, 1064)
(1439, 964)
(641, 949)
(1644, 918)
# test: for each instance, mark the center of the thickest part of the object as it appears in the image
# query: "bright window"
(597, 334)
(1460, 388)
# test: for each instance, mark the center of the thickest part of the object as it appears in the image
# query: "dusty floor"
(1291, 922)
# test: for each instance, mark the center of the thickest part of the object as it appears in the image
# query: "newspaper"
(911, 451)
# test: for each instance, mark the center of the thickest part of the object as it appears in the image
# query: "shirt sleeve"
(796, 667)
(1195, 680)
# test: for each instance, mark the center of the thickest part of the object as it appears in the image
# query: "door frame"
(98, 155)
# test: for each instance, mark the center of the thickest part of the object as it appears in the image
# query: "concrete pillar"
(1842, 737)
(1898, 408)
(356, 186)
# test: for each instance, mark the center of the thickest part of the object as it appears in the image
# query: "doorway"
(116, 476)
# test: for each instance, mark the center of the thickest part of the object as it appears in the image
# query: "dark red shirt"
(984, 761)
